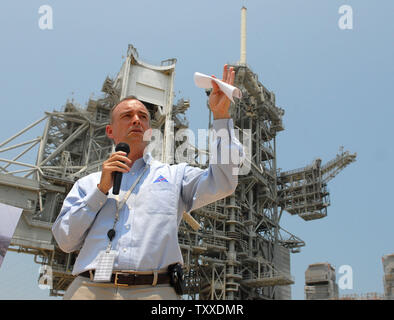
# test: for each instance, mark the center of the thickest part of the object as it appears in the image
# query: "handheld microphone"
(118, 175)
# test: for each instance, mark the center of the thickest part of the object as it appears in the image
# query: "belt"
(130, 279)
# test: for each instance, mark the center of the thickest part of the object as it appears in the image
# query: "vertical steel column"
(231, 250)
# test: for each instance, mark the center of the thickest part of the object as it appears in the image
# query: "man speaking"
(129, 242)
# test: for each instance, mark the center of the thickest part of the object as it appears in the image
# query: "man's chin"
(134, 138)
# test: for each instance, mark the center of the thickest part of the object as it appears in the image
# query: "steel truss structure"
(240, 251)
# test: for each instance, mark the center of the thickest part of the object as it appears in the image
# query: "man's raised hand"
(219, 103)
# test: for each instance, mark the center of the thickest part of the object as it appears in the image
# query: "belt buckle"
(116, 280)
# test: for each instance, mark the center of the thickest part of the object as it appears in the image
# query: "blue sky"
(335, 86)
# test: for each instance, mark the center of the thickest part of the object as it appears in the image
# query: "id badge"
(105, 266)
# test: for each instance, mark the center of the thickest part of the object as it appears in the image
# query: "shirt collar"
(147, 158)
(141, 162)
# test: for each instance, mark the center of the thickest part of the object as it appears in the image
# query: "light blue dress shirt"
(147, 230)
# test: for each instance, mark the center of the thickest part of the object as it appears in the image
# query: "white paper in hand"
(203, 81)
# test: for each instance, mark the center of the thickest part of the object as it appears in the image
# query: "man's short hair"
(130, 97)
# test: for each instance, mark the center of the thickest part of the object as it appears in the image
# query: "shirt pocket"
(158, 197)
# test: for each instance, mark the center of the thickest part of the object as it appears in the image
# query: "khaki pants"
(84, 289)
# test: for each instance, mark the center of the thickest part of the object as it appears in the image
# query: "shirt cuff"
(96, 199)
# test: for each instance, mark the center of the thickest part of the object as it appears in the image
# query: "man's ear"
(108, 131)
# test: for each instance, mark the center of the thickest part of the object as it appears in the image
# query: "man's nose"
(135, 120)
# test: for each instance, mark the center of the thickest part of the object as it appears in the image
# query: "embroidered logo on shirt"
(160, 179)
